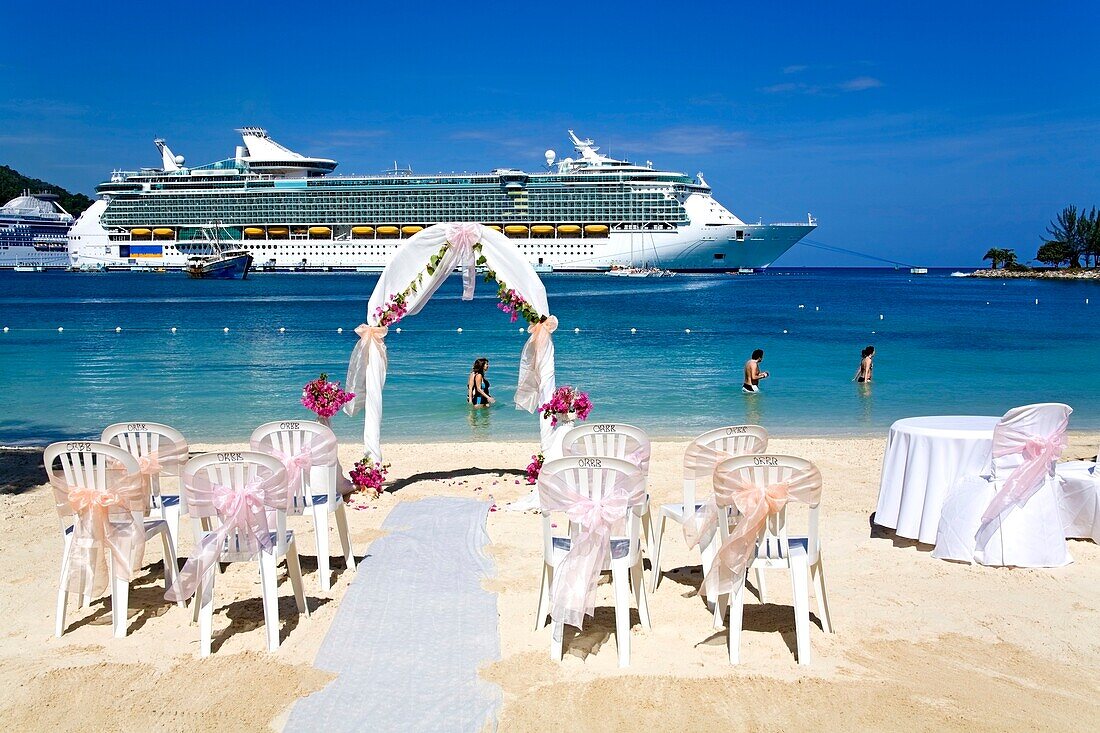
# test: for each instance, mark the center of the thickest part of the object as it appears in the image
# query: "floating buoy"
(459, 330)
(225, 330)
(633, 330)
(339, 330)
(800, 306)
(817, 307)
(282, 330)
(118, 329)
(687, 330)
(399, 329)
(1036, 301)
(880, 316)
(60, 329)
(576, 330)
(5, 329)
(784, 330)
(872, 333)
(173, 329)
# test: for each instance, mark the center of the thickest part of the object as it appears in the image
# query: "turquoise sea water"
(945, 345)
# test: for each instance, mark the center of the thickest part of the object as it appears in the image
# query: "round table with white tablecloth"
(1079, 499)
(924, 458)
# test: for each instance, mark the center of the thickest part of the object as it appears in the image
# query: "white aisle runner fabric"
(413, 629)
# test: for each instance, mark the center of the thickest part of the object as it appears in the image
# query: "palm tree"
(1090, 236)
(1008, 257)
(995, 256)
(1069, 229)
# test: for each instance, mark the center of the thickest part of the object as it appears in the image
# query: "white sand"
(920, 644)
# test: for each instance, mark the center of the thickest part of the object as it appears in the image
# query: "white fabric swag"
(367, 368)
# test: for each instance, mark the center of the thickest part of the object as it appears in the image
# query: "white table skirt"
(924, 458)
(1079, 499)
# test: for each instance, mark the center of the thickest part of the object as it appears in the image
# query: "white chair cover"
(1079, 499)
(1011, 517)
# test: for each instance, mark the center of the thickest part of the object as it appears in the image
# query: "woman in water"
(866, 365)
(477, 386)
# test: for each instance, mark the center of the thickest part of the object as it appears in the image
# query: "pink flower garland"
(534, 468)
(368, 477)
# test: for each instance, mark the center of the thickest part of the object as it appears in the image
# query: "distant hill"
(13, 183)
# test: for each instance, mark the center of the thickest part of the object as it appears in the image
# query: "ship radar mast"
(169, 162)
(588, 150)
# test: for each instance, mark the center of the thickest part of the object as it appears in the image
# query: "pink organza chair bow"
(747, 518)
(700, 458)
(307, 450)
(598, 500)
(161, 451)
(1011, 517)
(101, 500)
(245, 494)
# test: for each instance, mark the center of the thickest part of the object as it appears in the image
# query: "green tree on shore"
(1090, 236)
(1072, 230)
(998, 256)
(1054, 253)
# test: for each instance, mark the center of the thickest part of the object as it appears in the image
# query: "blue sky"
(924, 133)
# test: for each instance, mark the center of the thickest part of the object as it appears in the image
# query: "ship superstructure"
(290, 211)
(34, 232)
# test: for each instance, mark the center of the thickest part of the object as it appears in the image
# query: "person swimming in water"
(753, 375)
(866, 365)
(477, 385)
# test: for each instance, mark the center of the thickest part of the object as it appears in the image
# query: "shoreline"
(1079, 274)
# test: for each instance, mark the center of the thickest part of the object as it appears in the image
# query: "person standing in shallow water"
(866, 365)
(753, 375)
(477, 385)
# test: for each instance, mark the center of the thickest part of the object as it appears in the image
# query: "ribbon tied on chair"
(1040, 453)
(243, 522)
(536, 358)
(462, 238)
(295, 463)
(754, 504)
(573, 592)
(108, 525)
(356, 381)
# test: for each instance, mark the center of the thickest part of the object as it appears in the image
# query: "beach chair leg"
(320, 528)
(557, 641)
(171, 516)
(621, 584)
(120, 603)
(658, 535)
(345, 536)
(637, 580)
(204, 604)
(736, 601)
(170, 567)
(294, 572)
(761, 588)
(270, 589)
(800, 586)
(721, 605)
(817, 575)
(62, 596)
(544, 598)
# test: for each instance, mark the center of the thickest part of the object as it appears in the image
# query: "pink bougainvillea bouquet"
(533, 468)
(368, 476)
(325, 398)
(564, 401)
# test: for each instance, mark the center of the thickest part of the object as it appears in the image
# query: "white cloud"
(859, 84)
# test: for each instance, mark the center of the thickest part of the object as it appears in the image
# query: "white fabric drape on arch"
(367, 368)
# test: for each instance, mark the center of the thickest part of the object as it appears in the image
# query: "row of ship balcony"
(514, 231)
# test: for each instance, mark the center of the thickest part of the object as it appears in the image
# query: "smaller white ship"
(34, 233)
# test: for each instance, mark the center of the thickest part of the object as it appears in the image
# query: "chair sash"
(319, 450)
(754, 504)
(462, 238)
(536, 364)
(107, 523)
(639, 456)
(242, 514)
(701, 458)
(1040, 453)
(573, 593)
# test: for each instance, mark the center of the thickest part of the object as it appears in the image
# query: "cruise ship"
(34, 232)
(590, 212)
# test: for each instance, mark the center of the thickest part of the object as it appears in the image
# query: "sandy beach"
(923, 643)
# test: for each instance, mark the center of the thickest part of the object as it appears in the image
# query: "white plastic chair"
(1031, 535)
(614, 440)
(235, 470)
(84, 464)
(777, 549)
(732, 440)
(317, 490)
(624, 558)
(1079, 498)
(143, 439)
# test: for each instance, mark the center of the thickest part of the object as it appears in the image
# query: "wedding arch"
(411, 277)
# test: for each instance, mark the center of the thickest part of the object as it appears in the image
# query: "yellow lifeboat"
(319, 231)
(596, 230)
(495, 227)
(410, 230)
(362, 231)
(253, 231)
(387, 231)
(162, 232)
(569, 229)
(140, 232)
(277, 232)
(515, 230)
(542, 229)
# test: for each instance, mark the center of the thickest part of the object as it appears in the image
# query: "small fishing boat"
(217, 262)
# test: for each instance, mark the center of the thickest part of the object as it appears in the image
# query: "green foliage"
(13, 183)
(998, 256)
(1073, 230)
(1054, 253)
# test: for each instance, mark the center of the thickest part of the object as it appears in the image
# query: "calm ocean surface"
(945, 345)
